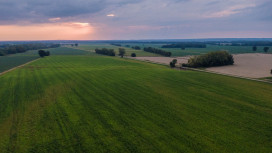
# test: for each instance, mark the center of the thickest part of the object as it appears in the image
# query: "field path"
(18, 66)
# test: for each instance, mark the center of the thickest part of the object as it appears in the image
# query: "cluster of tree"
(122, 52)
(184, 45)
(133, 54)
(76, 44)
(254, 48)
(218, 58)
(136, 47)
(266, 49)
(43, 53)
(13, 49)
(105, 51)
(173, 63)
(157, 51)
(116, 44)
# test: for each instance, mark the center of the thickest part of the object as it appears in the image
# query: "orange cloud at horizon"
(48, 31)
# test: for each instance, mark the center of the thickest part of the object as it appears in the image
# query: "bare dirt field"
(246, 65)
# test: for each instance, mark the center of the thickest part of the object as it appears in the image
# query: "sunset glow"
(53, 31)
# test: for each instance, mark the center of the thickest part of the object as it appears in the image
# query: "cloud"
(111, 15)
(132, 19)
(229, 11)
(54, 19)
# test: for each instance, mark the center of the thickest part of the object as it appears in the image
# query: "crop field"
(92, 47)
(11, 61)
(210, 48)
(8, 62)
(90, 103)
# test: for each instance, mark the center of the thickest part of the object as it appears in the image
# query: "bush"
(43, 53)
(133, 55)
(173, 63)
(218, 58)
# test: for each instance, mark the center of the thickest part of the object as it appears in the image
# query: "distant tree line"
(218, 58)
(116, 44)
(105, 51)
(184, 45)
(252, 43)
(136, 47)
(21, 48)
(157, 51)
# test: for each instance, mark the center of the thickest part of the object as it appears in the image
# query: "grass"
(109, 104)
(11, 61)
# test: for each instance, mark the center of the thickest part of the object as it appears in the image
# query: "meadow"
(89, 103)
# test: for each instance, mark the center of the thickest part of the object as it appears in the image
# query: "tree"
(266, 49)
(122, 52)
(173, 63)
(42, 53)
(254, 48)
(133, 54)
(76, 44)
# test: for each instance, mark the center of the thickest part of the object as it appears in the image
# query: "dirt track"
(18, 66)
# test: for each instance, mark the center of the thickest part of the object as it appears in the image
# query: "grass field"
(210, 48)
(11, 61)
(94, 103)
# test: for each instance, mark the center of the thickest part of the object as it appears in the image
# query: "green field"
(11, 61)
(90, 103)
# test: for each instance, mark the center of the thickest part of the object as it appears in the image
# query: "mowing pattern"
(105, 104)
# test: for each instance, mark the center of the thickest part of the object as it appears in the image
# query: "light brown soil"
(164, 60)
(248, 65)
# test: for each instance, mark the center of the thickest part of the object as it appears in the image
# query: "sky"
(134, 19)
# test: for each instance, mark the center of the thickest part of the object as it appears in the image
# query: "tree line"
(119, 45)
(13, 49)
(265, 49)
(186, 45)
(105, 51)
(218, 58)
(157, 51)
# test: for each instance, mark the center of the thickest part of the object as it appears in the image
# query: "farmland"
(8, 62)
(210, 48)
(92, 47)
(90, 103)
(11, 61)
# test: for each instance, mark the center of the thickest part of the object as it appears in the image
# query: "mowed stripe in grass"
(105, 104)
